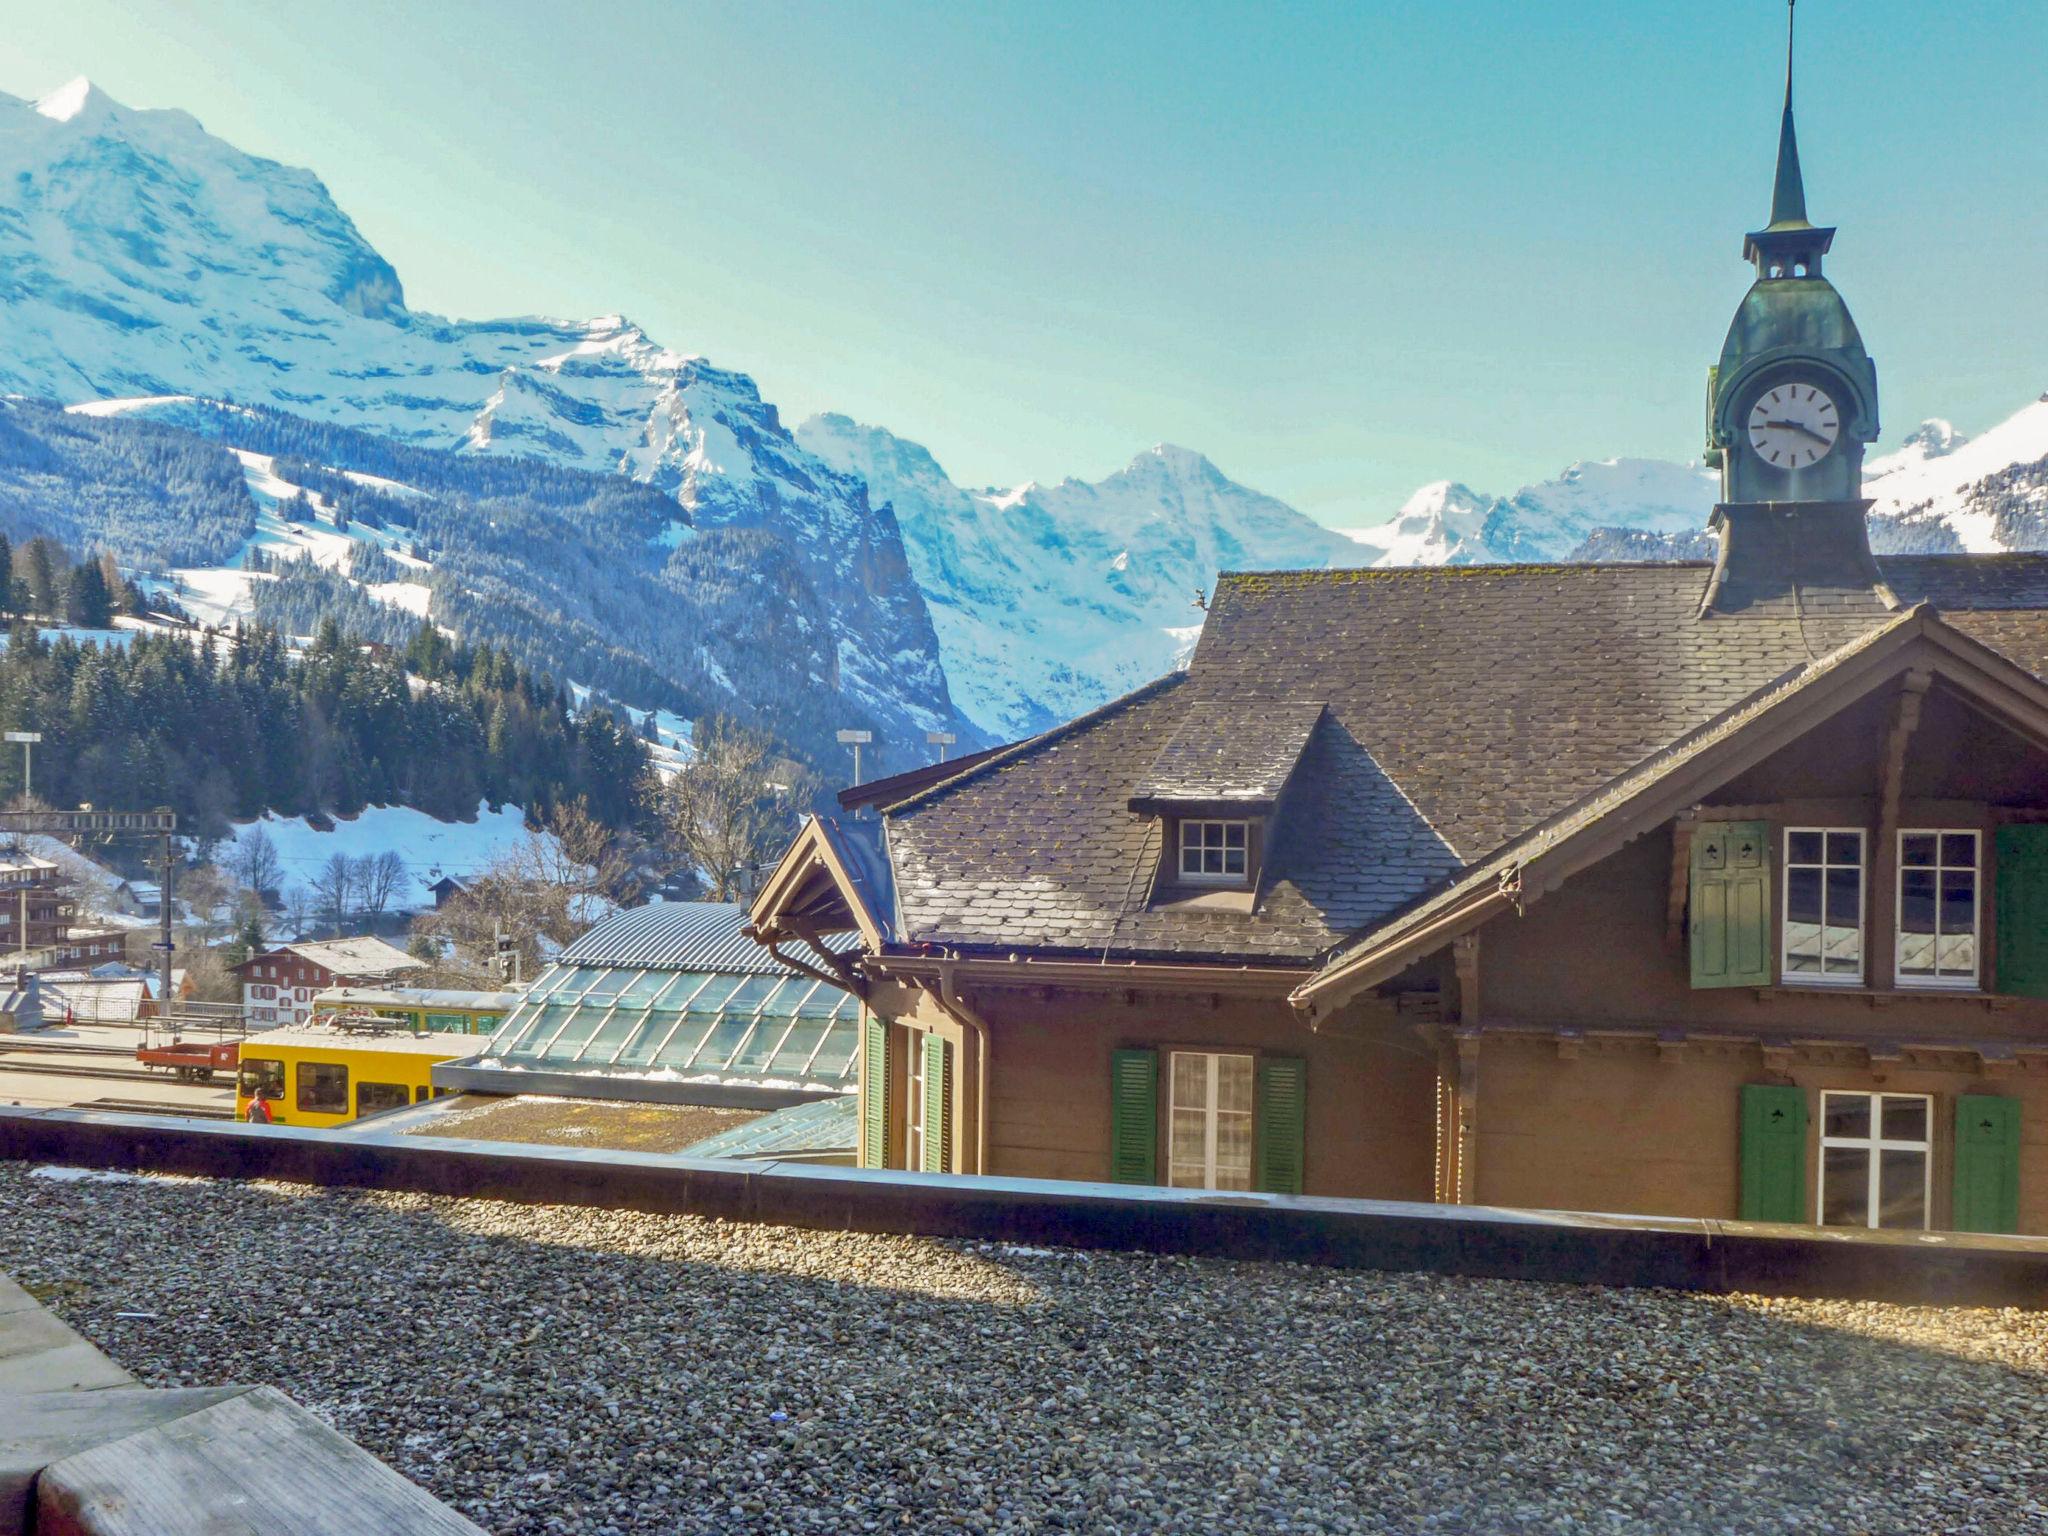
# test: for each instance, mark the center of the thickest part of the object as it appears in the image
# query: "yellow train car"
(325, 1074)
(442, 1010)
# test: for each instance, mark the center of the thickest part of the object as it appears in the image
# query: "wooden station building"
(1710, 889)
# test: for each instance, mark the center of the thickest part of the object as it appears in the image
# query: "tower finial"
(1788, 195)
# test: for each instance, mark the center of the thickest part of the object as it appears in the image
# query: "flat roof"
(436, 1043)
(418, 997)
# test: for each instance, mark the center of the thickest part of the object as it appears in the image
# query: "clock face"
(1793, 425)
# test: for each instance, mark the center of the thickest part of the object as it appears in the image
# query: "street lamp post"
(855, 739)
(28, 739)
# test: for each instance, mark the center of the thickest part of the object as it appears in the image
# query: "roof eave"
(1511, 881)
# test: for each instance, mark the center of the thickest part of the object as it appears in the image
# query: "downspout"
(949, 1000)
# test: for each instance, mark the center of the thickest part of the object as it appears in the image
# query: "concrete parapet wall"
(1682, 1254)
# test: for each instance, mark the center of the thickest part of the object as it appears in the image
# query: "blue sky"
(1342, 249)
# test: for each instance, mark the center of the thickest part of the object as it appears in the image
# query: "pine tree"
(90, 603)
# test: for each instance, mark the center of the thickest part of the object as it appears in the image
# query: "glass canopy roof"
(780, 1031)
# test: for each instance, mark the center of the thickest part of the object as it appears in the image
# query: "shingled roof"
(1460, 709)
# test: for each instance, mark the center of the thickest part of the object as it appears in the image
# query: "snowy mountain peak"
(70, 100)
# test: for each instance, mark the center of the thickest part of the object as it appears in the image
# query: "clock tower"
(1790, 407)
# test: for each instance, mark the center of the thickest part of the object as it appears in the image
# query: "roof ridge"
(1052, 737)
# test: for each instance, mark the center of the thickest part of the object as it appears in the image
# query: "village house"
(279, 985)
(1709, 889)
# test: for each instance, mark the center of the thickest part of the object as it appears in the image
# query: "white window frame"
(1955, 981)
(1823, 977)
(913, 1103)
(1196, 876)
(1873, 1146)
(1212, 1114)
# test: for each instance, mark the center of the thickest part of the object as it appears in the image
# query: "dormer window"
(1214, 852)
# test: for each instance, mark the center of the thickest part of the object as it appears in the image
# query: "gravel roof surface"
(550, 1369)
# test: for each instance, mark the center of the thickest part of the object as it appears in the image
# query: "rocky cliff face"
(140, 256)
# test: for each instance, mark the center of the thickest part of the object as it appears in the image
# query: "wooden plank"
(256, 1464)
(39, 1428)
(40, 1354)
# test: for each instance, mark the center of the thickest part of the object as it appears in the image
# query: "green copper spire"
(1788, 196)
(1789, 246)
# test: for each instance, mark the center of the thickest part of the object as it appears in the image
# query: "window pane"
(1916, 848)
(1905, 1117)
(1845, 1187)
(1233, 861)
(1802, 921)
(1234, 1084)
(1845, 1115)
(1190, 1079)
(1916, 922)
(1844, 936)
(1187, 1149)
(1845, 848)
(1802, 847)
(1959, 848)
(1233, 834)
(1958, 900)
(1902, 1189)
(1234, 1152)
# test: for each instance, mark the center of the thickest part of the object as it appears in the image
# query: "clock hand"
(1801, 427)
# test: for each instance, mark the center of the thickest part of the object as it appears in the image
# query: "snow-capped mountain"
(141, 256)
(1049, 599)
(1450, 524)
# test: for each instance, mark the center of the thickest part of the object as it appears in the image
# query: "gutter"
(949, 1000)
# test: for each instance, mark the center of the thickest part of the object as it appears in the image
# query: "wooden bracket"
(1568, 1043)
(1777, 1058)
(1681, 878)
(1465, 958)
(1671, 1044)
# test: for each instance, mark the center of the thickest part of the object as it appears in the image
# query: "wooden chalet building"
(1698, 889)
(279, 985)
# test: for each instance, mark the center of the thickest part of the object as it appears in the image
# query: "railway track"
(145, 1107)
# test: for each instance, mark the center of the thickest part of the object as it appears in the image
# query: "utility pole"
(28, 740)
(164, 946)
(855, 739)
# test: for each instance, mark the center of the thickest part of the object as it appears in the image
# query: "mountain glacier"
(1049, 599)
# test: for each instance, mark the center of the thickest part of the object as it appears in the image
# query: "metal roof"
(822, 1128)
(678, 936)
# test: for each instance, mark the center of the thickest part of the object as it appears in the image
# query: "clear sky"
(1343, 249)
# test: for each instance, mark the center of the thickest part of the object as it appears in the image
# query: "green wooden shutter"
(1731, 904)
(1134, 1117)
(1283, 1117)
(938, 1101)
(2022, 911)
(1773, 1153)
(1987, 1164)
(874, 1094)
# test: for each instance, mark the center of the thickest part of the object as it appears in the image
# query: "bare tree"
(382, 876)
(541, 893)
(255, 862)
(733, 806)
(334, 888)
(298, 910)
(204, 890)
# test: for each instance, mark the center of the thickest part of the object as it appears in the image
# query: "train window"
(262, 1079)
(373, 1097)
(420, 1095)
(323, 1088)
(448, 1023)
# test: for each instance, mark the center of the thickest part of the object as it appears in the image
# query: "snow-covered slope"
(142, 257)
(1049, 599)
(1989, 492)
